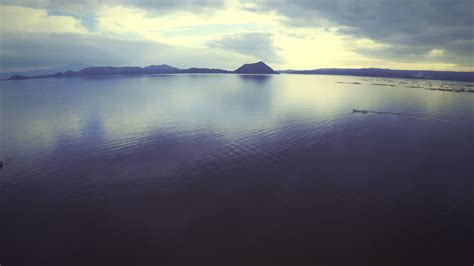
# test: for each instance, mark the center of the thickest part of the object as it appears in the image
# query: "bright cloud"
(435, 53)
(17, 18)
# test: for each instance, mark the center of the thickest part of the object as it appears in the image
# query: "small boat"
(359, 111)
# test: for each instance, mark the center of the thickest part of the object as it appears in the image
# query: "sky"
(286, 34)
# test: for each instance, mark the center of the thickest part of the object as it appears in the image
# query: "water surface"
(235, 170)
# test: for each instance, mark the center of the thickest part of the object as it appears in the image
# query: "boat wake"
(413, 115)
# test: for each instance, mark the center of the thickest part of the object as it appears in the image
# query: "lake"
(236, 170)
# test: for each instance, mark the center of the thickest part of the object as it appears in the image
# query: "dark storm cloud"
(256, 44)
(417, 26)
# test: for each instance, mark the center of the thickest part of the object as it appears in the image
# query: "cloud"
(286, 33)
(16, 18)
(86, 6)
(384, 20)
(40, 50)
(417, 26)
(256, 44)
(435, 53)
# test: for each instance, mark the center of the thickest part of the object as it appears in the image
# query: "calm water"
(235, 170)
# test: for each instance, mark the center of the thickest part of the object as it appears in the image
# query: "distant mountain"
(256, 68)
(195, 70)
(389, 73)
(160, 69)
(41, 72)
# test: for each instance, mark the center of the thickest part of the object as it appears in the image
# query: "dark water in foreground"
(235, 170)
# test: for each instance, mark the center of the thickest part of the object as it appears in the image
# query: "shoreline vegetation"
(259, 68)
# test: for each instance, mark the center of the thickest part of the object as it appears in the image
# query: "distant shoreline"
(389, 73)
(232, 73)
(259, 68)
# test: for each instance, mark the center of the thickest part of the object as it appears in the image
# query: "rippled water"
(235, 170)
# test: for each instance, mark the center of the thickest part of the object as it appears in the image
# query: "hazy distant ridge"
(42, 72)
